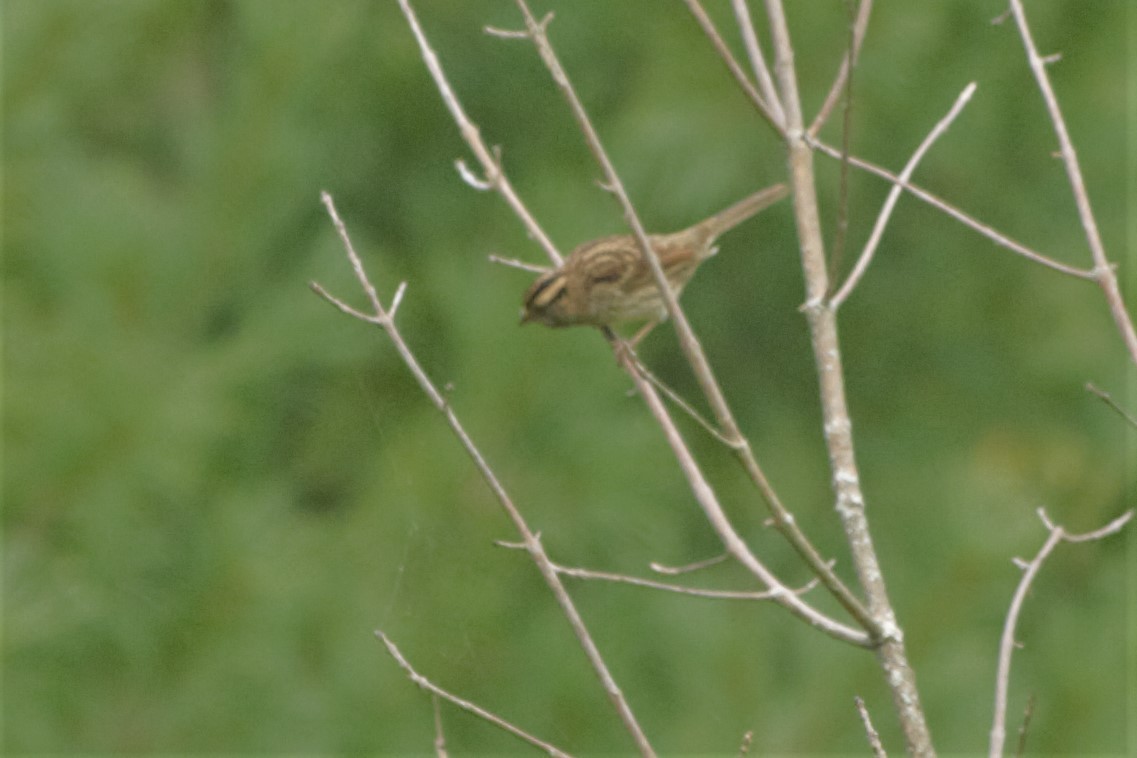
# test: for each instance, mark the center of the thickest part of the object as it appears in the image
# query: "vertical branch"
(822, 319)
(1103, 270)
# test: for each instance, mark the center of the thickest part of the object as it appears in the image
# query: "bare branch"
(439, 735)
(1007, 642)
(1024, 727)
(514, 263)
(397, 300)
(894, 195)
(659, 568)
(1108, 400)
(530, 539)
(757, 60)
(837, 426)
(765, 110)
(494, 31)
(606, 576)
(472, 179)
(686, 407)
(353, 257)
(870, 731)
(1113, 527)
(1103, 270)
(491, 162)
(841, 226)
(423, 683)
(987, 231)
(344, 307)
(860, 26)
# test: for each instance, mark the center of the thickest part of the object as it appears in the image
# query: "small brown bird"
(607, 281)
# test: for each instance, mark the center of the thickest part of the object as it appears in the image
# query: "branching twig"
(1007, 642)
(731, 540)
(860, 25)
(384, 318)
(841, 227)
(757, 59)
(770, 111)
(684, 406)
(1024, 727)
(1104, 272)
(490, 160)
(514, 263)
(987, 231)
(660, 568)
(429, 686)
(607, 576)
(894, 194)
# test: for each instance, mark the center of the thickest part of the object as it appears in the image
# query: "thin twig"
(894, 195)
(870, 731)
(841, 227)
(514, 263)
(439, 735)
(1104, 272)
(607, 576)
(840, 82)
(757, 59)
(472, 708)
(765, 110)
(489, 159)
(660, 568)
(676, 398)
(936, 202)
(382, 317)
(344, 307)
(1007, 641)
(1108, 400)
(1024, 727)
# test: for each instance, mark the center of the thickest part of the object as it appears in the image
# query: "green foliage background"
(215, 486)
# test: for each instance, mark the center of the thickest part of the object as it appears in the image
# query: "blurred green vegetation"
(215, 486)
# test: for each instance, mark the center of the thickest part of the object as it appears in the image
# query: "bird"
(607, 281)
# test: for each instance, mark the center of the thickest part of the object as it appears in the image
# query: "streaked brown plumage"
(607, 281)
